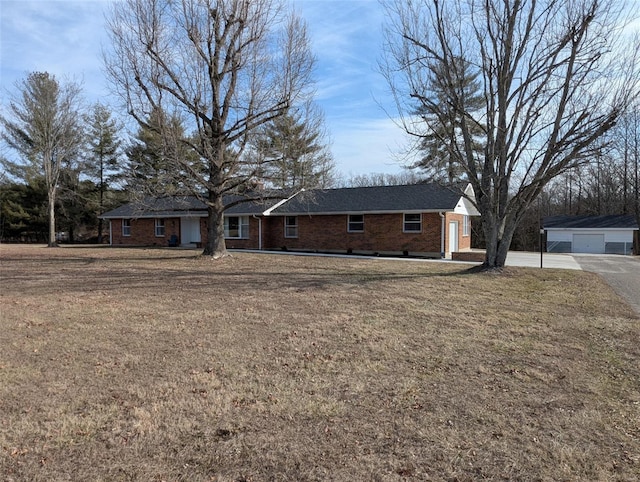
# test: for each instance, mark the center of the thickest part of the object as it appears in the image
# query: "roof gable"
(590, 222)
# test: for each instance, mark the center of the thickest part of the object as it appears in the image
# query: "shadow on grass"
(161, 273)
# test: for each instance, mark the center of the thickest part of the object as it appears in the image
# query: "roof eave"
(338, 213)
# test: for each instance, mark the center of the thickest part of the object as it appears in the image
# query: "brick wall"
(382, 233)
(143, 232)
(475, 256)
(252, 242)
(464, 242)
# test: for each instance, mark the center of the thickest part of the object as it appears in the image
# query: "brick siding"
(383, 233)
(464, 242)
(143, 232)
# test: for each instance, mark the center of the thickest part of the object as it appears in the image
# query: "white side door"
(453, 236)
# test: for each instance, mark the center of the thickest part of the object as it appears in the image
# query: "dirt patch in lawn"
(156, 364)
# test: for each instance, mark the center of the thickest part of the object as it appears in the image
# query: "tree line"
(53, 194)
(607, 184)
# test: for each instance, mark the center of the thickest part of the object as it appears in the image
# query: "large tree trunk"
(496, 254)
(51, 197)
(215, 245)
(100, 229)
(498, 236)
(100, 225)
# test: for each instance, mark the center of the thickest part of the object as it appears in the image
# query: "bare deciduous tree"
(627, 144)
(224, 67)
(555, 78)
(384, 179)
(44, 128)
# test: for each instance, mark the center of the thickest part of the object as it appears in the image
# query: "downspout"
(259, 232)
(110, 233)
(442, 252)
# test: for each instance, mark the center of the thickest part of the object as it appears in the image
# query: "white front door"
(189, 231)
(453, 236)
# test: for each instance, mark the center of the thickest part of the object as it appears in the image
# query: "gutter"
(442, 252)
(359, 211)
(259, 231)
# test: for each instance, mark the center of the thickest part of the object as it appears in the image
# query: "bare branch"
(555, 76)
(224, 67)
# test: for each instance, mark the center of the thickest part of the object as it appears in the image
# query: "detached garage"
(612, 234)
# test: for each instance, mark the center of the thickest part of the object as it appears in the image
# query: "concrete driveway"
(622, 273)
(549, 260)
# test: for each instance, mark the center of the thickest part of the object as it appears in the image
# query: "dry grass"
(132, 364)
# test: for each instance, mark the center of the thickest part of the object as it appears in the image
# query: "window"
(465, 226)
(356, 223)
(236, 227)
(412, 223)
(126, 227)
(159, 227)
(291, 227)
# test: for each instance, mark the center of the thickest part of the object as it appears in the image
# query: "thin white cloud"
(60, 37)
(370, 146)
(347, 36)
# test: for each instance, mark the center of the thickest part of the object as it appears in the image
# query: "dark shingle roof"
(381, 199)
(157, 207)
(416, 197)
(590, 222)
(173, 206)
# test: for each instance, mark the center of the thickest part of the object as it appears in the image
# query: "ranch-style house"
(413, 220)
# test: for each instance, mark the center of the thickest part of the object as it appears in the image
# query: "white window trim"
(404, 223)
(290, 226)
(159, 222)
(466, 225)
(243, 227)
(128, 226)
(349, 230)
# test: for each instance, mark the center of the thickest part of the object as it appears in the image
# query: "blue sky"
(65, 38)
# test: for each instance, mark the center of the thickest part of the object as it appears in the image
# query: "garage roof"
(614, 221)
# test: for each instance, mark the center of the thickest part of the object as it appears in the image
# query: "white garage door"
(588, 243)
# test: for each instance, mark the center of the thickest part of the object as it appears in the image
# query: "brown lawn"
(135, 364)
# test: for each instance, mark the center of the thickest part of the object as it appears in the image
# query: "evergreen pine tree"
(440, 161)
(151, 166)
(103, 157)
(294, 155)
